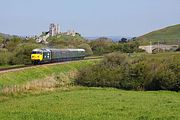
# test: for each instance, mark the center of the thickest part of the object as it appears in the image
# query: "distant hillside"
(7, 36)
(168, 35)
(113, 38)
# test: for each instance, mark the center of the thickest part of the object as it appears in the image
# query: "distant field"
(93, 104)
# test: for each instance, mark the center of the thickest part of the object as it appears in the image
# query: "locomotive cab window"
(36, 52)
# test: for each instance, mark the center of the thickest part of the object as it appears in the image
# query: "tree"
(101, 46)
(123, 40)
(5, 56)
(87, 48)
(65, 40)
(22, 53)
(1, 42)
(129, 47)
(13, 43)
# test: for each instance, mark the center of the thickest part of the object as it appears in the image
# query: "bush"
(4, 57)
(119, 71)
(100, 77)
(178, 49)
(101, 46)
(65, 41)
(12, 44)
(87, 48)
(128, 47)
(114, 59)
(105, 74)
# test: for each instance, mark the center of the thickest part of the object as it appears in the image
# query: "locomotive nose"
(35, 57)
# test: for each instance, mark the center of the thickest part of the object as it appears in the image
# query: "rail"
(11, 69)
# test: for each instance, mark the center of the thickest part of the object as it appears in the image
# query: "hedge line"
(143, 73)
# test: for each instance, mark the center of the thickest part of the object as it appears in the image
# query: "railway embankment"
(41, 77)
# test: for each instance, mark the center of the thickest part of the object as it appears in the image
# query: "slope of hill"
(5, 35)
(8, 36)
(65, 41)
(168, 35)
(113, 38)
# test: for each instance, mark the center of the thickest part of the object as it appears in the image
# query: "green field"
(92, 104)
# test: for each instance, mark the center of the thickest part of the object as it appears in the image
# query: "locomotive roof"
(36, 50)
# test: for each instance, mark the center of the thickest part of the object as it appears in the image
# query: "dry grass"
(63, 80)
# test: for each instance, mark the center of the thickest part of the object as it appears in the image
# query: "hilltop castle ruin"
(54, 30)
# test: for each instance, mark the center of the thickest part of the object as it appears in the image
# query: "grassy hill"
(65, 41)
(168, 35)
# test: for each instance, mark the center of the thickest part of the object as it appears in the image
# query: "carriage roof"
(51, 49)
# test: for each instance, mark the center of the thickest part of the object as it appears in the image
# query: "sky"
(90, 18)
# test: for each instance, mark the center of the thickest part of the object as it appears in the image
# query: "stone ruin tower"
(53, 29)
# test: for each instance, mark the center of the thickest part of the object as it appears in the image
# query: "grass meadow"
(92, 104)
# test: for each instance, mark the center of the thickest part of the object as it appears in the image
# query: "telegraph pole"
(158, 46)
(150, 47)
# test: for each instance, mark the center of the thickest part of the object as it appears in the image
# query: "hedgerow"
(143, 73)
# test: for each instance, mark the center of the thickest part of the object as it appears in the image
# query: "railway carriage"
(46, 55)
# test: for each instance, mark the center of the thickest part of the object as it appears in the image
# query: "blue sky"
(88, 17)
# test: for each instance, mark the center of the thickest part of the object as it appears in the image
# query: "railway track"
(17, 68)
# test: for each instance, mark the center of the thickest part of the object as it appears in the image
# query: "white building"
(151, 48)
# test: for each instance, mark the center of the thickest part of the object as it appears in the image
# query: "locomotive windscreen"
(36, 52)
